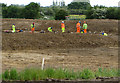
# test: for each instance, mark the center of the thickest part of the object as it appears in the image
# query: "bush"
(60, 15)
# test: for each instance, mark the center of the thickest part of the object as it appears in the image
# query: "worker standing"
(78, 27)
(33, 27)
(63, 26)
(50, 29)
(85, 27)
(13, 27)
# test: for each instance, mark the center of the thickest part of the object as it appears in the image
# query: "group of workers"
(62, 27)
(78, 27)
(32, 28)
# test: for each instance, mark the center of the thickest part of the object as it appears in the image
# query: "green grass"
(107, 72)
(38, 74)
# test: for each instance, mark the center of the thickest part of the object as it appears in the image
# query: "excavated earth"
(60, 50)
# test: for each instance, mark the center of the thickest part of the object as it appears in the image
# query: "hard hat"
(102, 33)
(33, 23)
(51, 27)
(79, 21)
(62, 21)
(13, 24)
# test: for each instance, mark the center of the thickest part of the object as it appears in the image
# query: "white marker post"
(43, 63)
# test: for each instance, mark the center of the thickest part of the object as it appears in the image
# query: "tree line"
(102, 12)
(35, 11)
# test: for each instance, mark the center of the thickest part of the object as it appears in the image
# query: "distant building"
(54, 3)
(81, 1)
(59, 3)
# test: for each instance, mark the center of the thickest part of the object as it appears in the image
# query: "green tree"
(97, 6)
(12, 11)
(89, 13)
(20, 12)
(4, 10)
(32, 10)
(112, 13)
(55, 9)
(118, 12)
(49, 11)
(79, 5)
(60, 15)
(77, 11)
(97, 13)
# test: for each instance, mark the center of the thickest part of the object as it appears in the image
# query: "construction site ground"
(60, 50)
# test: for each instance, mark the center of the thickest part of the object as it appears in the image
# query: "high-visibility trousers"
(32, 29)
(78, 29)
(85, 30)
(50, 30)
(63, 29)
(13, 29)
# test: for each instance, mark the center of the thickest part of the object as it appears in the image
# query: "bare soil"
(67, 50)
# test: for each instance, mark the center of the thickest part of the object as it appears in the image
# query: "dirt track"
(71, 50)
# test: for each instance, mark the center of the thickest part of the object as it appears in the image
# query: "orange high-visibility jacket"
(78, 25)
(62, 25)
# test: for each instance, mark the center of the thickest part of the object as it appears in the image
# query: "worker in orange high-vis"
(63, 26)
(85, 27)
(78, 27)
(33, 27)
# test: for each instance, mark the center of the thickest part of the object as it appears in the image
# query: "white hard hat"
(62, 21)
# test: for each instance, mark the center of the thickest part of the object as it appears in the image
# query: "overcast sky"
(107, 3)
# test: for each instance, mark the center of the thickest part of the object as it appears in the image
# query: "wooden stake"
(43, 63)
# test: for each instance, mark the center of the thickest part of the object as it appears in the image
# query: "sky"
(107, 3)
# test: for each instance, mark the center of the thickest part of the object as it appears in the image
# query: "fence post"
(43, 63)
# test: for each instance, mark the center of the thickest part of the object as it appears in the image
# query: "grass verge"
(50, 73)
